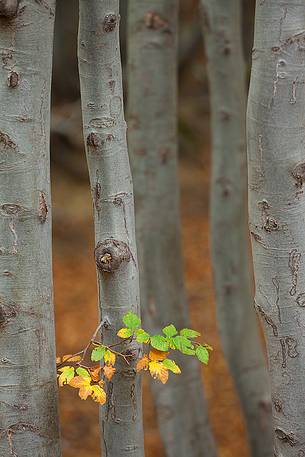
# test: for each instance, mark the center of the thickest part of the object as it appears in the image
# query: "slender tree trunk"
(28, 391)
(229, 242)
(276, 121)
(112, 191)
(152, 99)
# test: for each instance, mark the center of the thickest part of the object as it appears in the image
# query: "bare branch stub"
(110, 253)
(9, 8)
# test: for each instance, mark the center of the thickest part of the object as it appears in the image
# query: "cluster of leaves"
(73, 370)
(160, 346)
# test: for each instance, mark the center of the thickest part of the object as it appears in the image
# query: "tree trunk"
(112, 191)
(152, 100)
(28, 391)
(276, 121)
(229, 242)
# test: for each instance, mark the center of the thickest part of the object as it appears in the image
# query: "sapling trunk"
(28, 391)
(276, 120)
(152, 107)
(111, 183)
(237, 322)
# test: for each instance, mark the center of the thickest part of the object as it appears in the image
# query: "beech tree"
(237, 323)
(276, 208)
(152, 116)
(28, 391)
(112, 192)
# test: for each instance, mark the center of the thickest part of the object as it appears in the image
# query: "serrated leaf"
(98, 353)
(202, 354)
(95, 373)
(125, 333)
(142, 336)
(171, 365)
(158, 371)
(187, 351)
(67, 373)
(131, 320)
(189, 333)
(143, 363)
(154, 354)
(83, 372)
(84, 386)
(109, 357)
(71, 358)
(98, 394)
(170, 331)
(159, 342)
(182, 343)
(109, 371)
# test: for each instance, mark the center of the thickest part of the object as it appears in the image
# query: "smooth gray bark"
(228, 210)
(152, 108)
(28, 391)
(276, 118)
(112, 191)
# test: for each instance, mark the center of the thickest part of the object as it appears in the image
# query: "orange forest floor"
(76, 313)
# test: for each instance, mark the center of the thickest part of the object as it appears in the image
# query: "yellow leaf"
(157, 355)
(58, 360)
(158, 371)
(143, 363)
(124, 333)
(94, 372)
(98, 394)
(109, 357)
(109, 371)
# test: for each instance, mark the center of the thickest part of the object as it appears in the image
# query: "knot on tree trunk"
(110, 253)
(9, 8)
(110, 22)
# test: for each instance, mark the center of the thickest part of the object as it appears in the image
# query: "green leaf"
(170, 331)
(189, 333)
(98, 353)
(187, 351)
(172, 366)
(159, 342)
(67, 373)
(142, 336)
(131, 320)
(183, 344)
(82, 372)
(202, 354)
(125, 333)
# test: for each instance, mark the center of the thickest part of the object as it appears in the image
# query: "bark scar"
(294, 263)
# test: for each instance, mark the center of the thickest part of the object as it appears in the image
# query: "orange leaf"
(84, 386)
(157, 355)
(143, 363)
(94, 372)
(85, 391)
(158, 371)
(109, 371)
(79, 381)
(71, 358)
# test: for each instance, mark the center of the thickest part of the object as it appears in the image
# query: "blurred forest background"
(74, 268)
